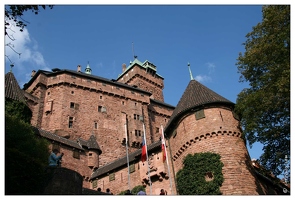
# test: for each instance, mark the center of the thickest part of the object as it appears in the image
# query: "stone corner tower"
(144, 76)
(204, 121)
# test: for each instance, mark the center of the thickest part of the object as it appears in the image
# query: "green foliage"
(134, 191)
(191, 179)
(25, 158)
(264, 108)
(18, 109)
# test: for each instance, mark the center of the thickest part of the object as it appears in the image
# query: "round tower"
(204, 121)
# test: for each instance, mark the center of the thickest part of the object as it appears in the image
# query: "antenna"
(134, 56)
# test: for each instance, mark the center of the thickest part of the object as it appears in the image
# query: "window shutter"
(132, 168)
(94, 184)
(200, 114)
(112, 177)
(76, 106)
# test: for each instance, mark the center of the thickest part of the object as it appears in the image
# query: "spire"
(88, 69)
(11, 66)
(190, 72)
(195, 95)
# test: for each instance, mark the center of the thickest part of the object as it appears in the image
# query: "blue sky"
(209, 37)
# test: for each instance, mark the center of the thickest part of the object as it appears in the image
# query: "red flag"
(143, 150)
(163, 148)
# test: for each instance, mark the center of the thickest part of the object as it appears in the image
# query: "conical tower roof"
(12, 89)
(194, 96)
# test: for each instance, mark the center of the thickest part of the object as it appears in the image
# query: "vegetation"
(15, 13)
(134, 191)
(25, 154)
(264, 108)
(201, 175)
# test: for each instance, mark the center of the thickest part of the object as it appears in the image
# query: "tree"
(14, 13)
(26, 155)
(264, 108)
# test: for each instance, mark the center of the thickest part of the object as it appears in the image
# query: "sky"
(209, 37)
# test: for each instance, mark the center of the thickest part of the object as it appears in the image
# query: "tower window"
(137, 133)
(72, 105)
(102, 109)
(157, 130)
(95, 125)
(71, 120)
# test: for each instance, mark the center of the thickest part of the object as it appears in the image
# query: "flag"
(163, 148)
(143, 150)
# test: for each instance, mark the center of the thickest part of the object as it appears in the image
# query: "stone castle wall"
(218, 133)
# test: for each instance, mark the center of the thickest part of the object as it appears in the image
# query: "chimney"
(78, 68)
(33, 73)
(123, 67)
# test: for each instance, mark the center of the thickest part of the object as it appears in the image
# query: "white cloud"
(207, 78)
(211, 67)
(30, 57)
(203, 78)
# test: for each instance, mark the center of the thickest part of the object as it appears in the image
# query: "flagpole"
(167, 160)
(147, 159)
(127, 156)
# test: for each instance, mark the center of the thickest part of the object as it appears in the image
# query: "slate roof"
(162, 103)
(123, 161)
(12, 89)
(91, 143)
(57, 138)
(195, 95)
(84, 75)
(145, 65)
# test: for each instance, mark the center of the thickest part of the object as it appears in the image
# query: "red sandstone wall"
(142, 79)
(54, 109)
(218, 132)
(121, 177)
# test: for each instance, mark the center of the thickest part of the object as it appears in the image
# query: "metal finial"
(11, 66)
(190, 72)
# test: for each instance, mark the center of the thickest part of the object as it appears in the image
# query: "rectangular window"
(94, 184)
(76, 154)
(71, 120)
(137, 133)
(112, 177)
(132, 168)
(200, 114)
(157, 130)
(102, 109)
(72, 105)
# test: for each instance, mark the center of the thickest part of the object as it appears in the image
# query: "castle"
(99, 125)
